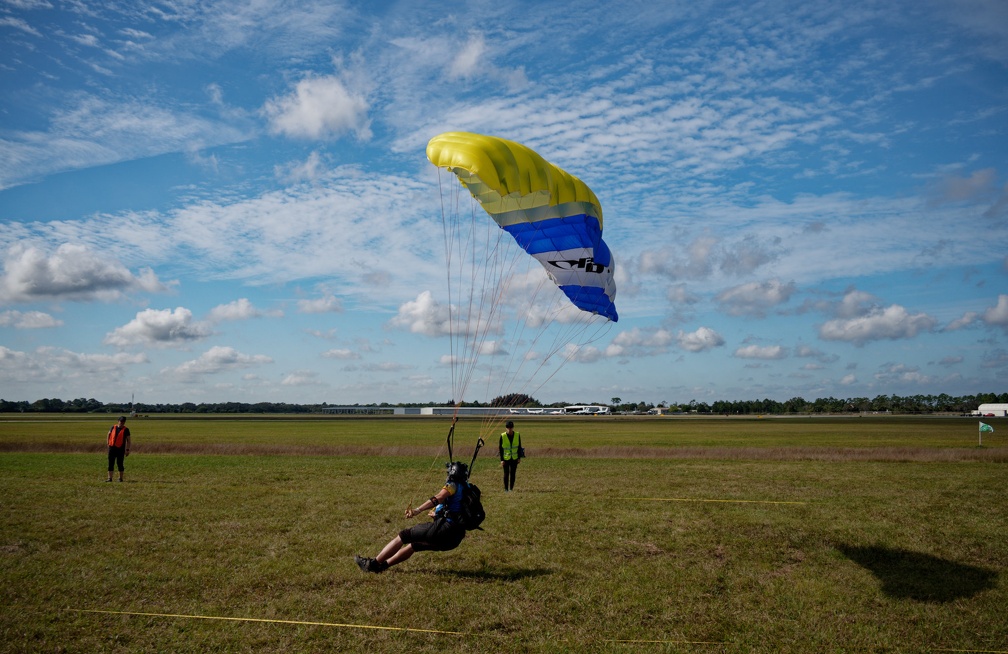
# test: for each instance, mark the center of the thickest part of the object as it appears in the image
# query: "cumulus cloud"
(240, 309)
(340, 353)
(997, 315)
(28, 320)
(892, 373)
(705, 255)
(49, 365)
(319, 108)
(761, 352)
(893, 322)
(301, 378)
(424, 315)
(966, 320)
(161, 328)
(677, 294)
(639, 342)
(702, 339)
(804, 351)
(582, 353)
(219, 359)
(327, 304)
(755, 298)
(747, 256)
(696, 264)
(72, 272)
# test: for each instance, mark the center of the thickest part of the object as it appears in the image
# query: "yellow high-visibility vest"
(510, 446)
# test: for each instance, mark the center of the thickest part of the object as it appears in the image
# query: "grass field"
(691, 535)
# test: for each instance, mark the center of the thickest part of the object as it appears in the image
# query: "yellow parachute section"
(505, 176)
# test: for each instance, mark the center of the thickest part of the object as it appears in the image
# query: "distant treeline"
(942, 403)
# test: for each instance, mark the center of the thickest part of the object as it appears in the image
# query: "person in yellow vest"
(118, 446)
(511, 452)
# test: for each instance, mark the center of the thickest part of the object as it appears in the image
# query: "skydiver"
(445, 532)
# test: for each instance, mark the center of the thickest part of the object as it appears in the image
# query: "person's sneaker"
(107, 480)
(369, 565)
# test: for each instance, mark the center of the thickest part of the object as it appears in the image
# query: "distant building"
(999, 410)
(486, 411)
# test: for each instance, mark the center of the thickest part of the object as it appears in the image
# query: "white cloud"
(17, 23)
(219, 359)
(677, 294)
(898, 373)
(804, 351)
(639, 342)
(162, 328)
(96, 130)
(466, 62)
(893, 322)
(72, 272)
(761, 352)
(326, 304)
(755, 298)
(52, 366)
(966, 320)
(240, 309)
(704, 338)
(311, 169)
(698, 263)
(424, 315)
(341, 353)
(301, 378)
(28, 320)
(997, 315)
(319, 108)
(581, 353)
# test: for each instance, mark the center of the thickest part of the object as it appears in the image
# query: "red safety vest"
(117, 436)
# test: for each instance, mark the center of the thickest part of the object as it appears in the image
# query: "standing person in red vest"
(118, 446)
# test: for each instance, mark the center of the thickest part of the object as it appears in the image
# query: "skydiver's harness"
(464, 506)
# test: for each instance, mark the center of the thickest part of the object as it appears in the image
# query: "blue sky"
(230, 201)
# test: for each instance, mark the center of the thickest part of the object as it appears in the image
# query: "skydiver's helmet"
(457, 472)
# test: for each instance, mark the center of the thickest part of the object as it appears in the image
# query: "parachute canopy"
(552, 214)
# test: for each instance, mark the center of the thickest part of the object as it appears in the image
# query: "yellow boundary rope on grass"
(272, 621)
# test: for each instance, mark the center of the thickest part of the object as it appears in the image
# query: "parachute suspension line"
(480, 264)
(446, 219)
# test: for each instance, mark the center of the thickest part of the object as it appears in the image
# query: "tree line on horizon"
(910, 404)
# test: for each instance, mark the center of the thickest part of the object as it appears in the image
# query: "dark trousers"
(116, 455)
(510, 468)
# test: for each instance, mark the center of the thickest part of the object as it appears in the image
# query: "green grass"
(711, 552)
(590, 435)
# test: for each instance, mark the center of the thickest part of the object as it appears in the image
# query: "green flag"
(984, 427)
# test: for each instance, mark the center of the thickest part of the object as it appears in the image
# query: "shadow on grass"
(921, 577)
(504, 574)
